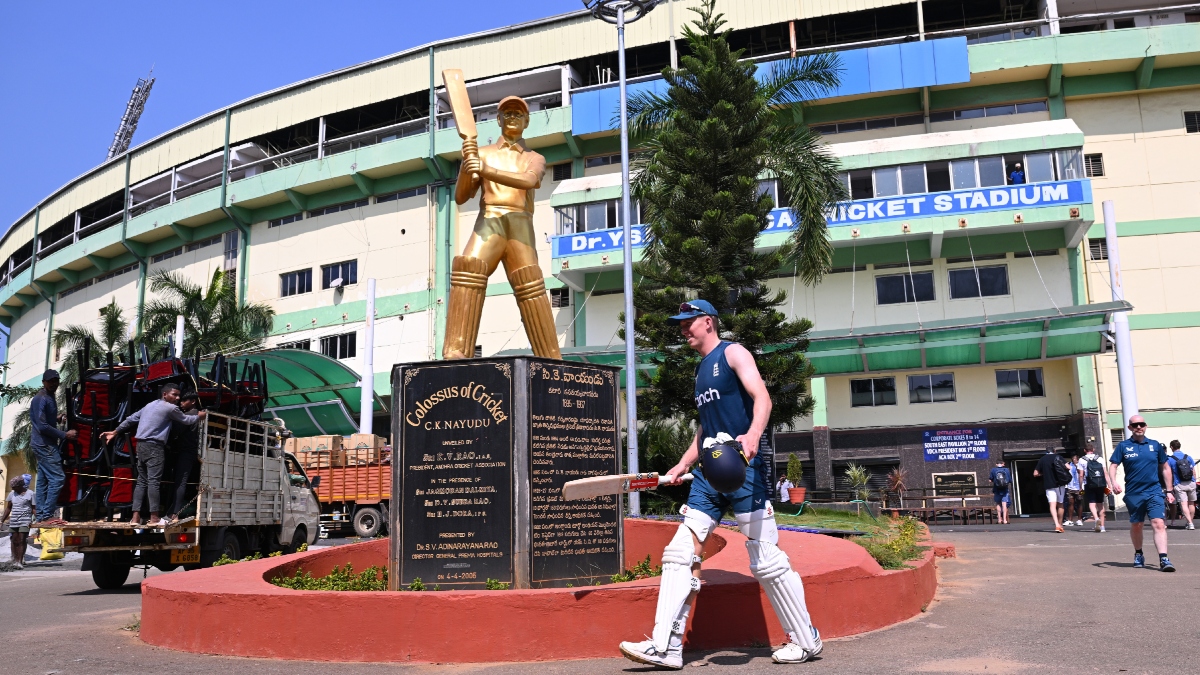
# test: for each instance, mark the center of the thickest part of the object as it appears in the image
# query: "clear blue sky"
(67, 68)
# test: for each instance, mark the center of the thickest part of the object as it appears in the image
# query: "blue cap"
(50, 374)
(691, 310)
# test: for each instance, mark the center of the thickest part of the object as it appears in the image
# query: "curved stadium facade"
(350, 175)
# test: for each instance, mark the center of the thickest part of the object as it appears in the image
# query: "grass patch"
(340, 579)
(832, 519)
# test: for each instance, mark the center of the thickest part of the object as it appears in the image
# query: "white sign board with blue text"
(906, 207)
(947, 444)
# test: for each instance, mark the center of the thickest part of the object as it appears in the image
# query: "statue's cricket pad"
(483, 447)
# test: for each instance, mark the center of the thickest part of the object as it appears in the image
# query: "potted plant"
(897, 480)
(795, 475)
(857, 475)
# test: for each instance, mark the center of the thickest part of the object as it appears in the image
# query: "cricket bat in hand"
(460, 107)
(596, 486)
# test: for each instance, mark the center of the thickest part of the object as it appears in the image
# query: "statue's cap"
(514, 102)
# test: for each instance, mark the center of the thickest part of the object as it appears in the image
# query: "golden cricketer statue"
(508, 173)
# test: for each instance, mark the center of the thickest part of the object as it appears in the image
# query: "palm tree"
(213, 321)
(114, 331)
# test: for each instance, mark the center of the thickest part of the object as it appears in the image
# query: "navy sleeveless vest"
(723, 402)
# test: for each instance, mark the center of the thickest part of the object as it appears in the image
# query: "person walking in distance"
(1184, 469)
(1055, 475)
(153, 427)
(1095, 485)
(733, 402)
(44, 440)
(1074, 490)
(19, 505)
(1001, 479)
(782, 488)
(1144, 460)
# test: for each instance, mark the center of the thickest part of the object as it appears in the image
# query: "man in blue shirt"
(44, 439)
(1001, 479)
(1144, 461)
(1183, 468)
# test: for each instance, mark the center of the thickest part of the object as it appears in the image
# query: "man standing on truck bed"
(44, 439)
(185, 439)
(153, 428)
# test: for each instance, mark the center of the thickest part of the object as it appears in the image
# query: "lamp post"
(621, 12)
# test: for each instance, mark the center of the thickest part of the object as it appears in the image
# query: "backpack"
(1001, 479)
(1062, 475)
(1095, 474)
(1185, 470)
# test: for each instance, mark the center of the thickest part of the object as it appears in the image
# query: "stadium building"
(968, 294)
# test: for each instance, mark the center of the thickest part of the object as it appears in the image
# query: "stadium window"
(1093, 165)
(937, 174)
(1032, 106)
(1021, 383)
(115, 273)
(991, 171)
(197, 245)
(166, 255)
(562, 171)
(1070, 164)
(1098, 248)
(895, 289)
(602, 160)
(560, 297)
(285, 220)
(934, 388)
(872, 392)
(339, 346)
(593, 216)
(1191, 121)
(860, 184)
(346, 271)
(1117, 436)
(74, 289)
(403, 194)
(302, 345)
(295, 283)
(335, 208)
(992, 281)
(1040, 253)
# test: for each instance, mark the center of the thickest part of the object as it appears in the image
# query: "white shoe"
(18, 566)
(1069, 523)
(162, 522)
(790, 653)
(1102, 528)
(1079, 523)
(817, 641)
(644, 652)
(1190, 526)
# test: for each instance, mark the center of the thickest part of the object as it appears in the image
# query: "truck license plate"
(183, 556)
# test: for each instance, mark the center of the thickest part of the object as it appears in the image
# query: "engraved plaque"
(573, 434)
(454, 469)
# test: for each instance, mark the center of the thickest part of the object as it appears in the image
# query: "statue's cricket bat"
(460, 104)
(596, 486)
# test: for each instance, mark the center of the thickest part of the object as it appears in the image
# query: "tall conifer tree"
(722, 126)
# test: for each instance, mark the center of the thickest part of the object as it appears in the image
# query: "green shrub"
(642, 570)
(416, 584)
(495, 585)
(894, 552)
(340, 579)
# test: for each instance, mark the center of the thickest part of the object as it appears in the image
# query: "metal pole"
(1125, 377)
(179, 336)
(631, 461)
(366, 412)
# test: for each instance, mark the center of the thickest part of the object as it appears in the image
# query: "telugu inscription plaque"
(573, 434)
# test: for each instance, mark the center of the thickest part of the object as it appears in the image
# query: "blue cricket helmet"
(724, 466)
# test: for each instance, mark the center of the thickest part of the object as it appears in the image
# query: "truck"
(356, 496)
(252, 498)
(247, 496)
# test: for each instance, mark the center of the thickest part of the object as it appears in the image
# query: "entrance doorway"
(1030, 495)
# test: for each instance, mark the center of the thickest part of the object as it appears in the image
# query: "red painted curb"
(233, 610)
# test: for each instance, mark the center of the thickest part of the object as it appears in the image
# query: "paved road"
(1014, 601)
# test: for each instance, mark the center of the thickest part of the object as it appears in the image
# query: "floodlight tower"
(621, 12)
(133, 112)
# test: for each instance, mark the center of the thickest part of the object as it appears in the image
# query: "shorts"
(1142, 505)
(1000, 497)
(1185, 492)
(752, 496)
(1056, 495)
(1094, 495)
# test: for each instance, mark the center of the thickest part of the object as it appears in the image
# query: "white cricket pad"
(759, 525)
(699, 522)
(784, 589)
(675, 588)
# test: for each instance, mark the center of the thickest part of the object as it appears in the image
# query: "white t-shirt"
(783, 489)
(1078, 474)
(22, 508)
